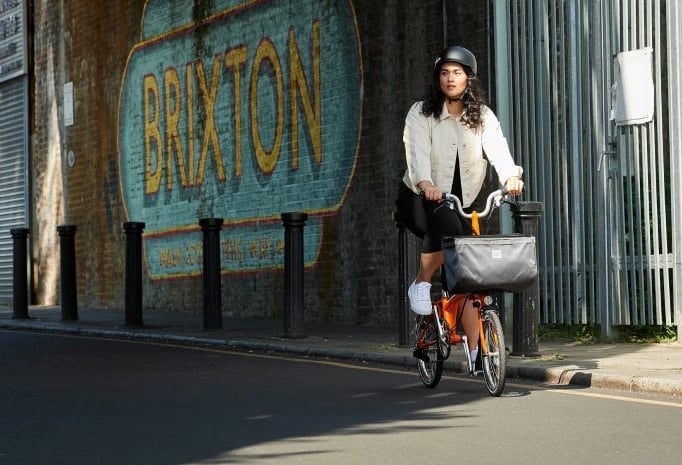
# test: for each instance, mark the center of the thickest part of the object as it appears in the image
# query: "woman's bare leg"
(428, 264)
(470, 324)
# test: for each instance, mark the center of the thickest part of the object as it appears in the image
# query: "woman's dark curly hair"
(473, 99)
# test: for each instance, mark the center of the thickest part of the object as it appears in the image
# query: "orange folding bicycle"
(437, 332)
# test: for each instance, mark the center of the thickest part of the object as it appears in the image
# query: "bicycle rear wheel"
(431, 344)
(495, 362)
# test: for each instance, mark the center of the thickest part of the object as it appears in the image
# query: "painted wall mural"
(239, 110)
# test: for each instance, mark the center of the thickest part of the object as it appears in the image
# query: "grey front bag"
(477, 263)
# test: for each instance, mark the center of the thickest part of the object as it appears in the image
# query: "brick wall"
(353, 277)
(86, 44)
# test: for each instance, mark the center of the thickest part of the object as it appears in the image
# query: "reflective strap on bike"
(475, 228)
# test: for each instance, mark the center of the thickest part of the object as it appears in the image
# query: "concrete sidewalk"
(653, 368)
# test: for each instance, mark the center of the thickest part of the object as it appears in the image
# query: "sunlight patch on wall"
(50, 198)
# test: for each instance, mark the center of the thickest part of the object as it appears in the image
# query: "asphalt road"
(72, 400)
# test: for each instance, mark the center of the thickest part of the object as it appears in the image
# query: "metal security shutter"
(13, 173)
(609, 235)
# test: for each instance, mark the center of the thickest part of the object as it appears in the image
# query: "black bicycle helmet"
(457, 54)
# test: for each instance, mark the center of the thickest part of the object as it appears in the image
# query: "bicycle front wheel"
(495, 361)
(431, 370)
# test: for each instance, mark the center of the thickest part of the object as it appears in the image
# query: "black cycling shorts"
(430, 220)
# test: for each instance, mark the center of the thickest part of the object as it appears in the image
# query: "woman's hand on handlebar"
(514, 185)
(430, 192)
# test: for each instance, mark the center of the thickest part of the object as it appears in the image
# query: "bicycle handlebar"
(494, 200)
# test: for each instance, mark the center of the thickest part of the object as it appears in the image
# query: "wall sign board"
(243, 112)
(12, 39)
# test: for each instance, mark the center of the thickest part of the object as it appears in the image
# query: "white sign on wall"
(68, 104)
(12, 39)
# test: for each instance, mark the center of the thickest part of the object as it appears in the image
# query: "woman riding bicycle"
(448, 138)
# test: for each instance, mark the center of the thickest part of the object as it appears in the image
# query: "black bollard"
(213, 303)
(404, 316)
(20, 280)
(293, 274)
(67, 234)
(133, 278)
(526, 313)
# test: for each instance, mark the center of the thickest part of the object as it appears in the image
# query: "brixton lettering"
(169, 142)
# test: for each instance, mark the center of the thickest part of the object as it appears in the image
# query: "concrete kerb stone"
(106, 333)
(639, 384)
(571, 375)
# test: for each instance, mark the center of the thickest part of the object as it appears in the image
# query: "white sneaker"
(420, 298)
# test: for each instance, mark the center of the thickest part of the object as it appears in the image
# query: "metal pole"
(402, 307)
(503, 109)
(526, 313)
(20, 281)
(674, 41)
(293, 274)
(67, 247)
(213, 316)
(133, 278)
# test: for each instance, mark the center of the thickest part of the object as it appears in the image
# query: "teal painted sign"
(241, 111)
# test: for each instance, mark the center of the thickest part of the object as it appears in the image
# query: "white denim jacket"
(432, 146)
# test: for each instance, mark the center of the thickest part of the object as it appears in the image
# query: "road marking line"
(614, 397)
(301, 359)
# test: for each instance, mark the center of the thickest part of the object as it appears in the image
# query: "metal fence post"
(526, 313)
(294, 310)
(213, 304)
(67, 247)
(402, 307)
(133, 273)
(20, 280)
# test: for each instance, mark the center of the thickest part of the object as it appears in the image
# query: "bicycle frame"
(449, 308)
